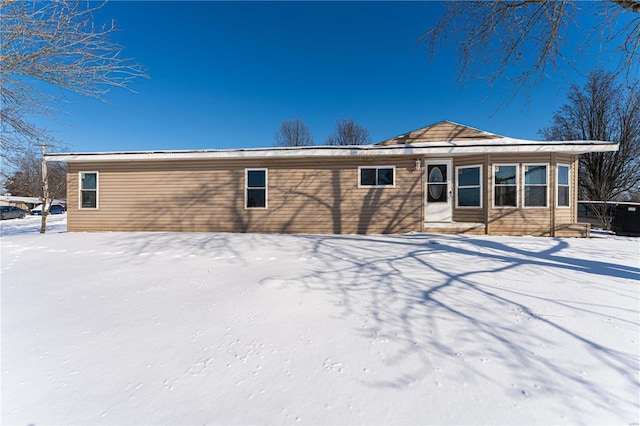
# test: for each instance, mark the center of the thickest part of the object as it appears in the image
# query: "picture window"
(376, 176)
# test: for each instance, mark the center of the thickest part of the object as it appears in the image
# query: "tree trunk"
(45, 194)
(43, 224)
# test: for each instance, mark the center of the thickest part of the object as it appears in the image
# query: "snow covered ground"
(197, 328)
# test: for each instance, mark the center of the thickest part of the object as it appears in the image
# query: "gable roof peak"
(442, 131)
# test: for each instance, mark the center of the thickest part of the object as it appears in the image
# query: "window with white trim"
(505, 185)
(535, 185)
(562, 183)
(380, 176)
(255, 188)
(88, 188)
(469, 186)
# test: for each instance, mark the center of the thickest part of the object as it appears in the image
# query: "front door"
(439, 191)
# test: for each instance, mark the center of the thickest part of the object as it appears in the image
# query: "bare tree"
(522, 40)
(26, 179)
(348, 132)
(603, 110)
(54, 42)
(293, 133)
(57, 43)
(33, 177)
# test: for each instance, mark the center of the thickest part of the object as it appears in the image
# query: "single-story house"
(444, 178)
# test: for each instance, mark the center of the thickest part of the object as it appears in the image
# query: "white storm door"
(439, 190)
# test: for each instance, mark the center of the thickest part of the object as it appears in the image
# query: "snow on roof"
(466, 147)
(443, 138)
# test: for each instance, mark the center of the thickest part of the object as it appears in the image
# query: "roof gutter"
(434, 149)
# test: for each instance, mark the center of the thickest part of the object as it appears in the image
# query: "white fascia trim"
(444, 148)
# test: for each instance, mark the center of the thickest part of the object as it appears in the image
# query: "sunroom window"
(535, 185)
(563, 185)
(505, 185)
(469, 186)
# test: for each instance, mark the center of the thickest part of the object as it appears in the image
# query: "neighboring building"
(445, 178)
(25, 203)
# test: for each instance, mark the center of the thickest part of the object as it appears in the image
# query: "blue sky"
(225, 74)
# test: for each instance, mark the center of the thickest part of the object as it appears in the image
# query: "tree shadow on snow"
(409, 295)
(421, 299)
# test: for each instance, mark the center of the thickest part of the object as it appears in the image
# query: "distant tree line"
(295, 132)
(26, 178)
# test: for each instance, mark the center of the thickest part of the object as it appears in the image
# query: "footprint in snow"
(332, 366)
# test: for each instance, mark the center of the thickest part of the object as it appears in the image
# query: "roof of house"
(443, 139)
(28, 200)
(446, 131)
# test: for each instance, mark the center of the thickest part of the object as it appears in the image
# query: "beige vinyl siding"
(304, 196)
(442, 131)
(520, 222)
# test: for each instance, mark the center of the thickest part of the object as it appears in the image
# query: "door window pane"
(437, 193)
(436, 183)
(437, 173)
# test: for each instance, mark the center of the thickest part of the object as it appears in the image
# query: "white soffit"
(496, 146)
